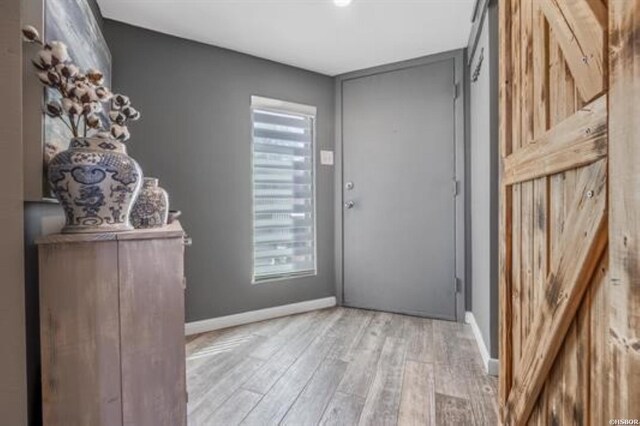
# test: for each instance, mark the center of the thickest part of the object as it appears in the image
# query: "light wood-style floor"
(339, 366)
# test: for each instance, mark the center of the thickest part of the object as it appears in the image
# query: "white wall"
(483, 172)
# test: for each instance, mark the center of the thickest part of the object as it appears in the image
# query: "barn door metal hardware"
(476, 71)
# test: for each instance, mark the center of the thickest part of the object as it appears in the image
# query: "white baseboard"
(491, 365)
(203, 326)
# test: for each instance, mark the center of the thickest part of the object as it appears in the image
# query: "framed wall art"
(73, 22)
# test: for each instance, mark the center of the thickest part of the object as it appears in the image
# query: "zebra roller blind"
(284, 242)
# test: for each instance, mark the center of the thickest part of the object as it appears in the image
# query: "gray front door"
(398, 171)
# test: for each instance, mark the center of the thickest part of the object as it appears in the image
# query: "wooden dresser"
(112, 328)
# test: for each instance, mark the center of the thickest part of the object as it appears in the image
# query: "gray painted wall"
(484, 183)
(195, 135)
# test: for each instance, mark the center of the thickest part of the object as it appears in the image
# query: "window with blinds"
(284, 243)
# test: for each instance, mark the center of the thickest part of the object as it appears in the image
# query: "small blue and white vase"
(151, 209)
(97, 183)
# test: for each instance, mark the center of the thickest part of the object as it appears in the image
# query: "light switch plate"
(326, 158)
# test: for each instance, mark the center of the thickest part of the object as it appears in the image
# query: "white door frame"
(460, 168)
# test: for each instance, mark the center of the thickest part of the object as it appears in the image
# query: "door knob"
(349, 205)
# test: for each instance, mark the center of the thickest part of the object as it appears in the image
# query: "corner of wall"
(491, 365)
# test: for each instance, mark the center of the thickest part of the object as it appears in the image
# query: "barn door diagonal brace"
(582, 245)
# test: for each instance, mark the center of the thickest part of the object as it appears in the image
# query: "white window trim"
(275, 105)
(258, 102)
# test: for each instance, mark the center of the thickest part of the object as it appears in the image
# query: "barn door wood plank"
(540, 71)
(577, 141)
(582, 244)
(556, 182)
(505, 226)
(562, 93)
(526, 190)
(570, 376)
(540, 126)
(581, 35)
(583, 359)
(599, 391)
(516, 213)
(588, 20)
(624, 333)
(554, 397)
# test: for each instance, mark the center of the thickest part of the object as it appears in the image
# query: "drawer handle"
(188, 241)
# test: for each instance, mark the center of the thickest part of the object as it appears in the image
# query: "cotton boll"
(126, 135)
(72, 70)
(120, 132)
(103, 93)
(116, 130)
(67, 104)
(89, 95)
(59, 51)
(95, 76)
(120, 101)
(130, 112)
(135, 116)
(80, 90)
(71, 107)
(69, 87)
(67, 70)
(44, 78)
(90, 108)
(45, 58)
(117, 116)
(30, 34)
(53, 109)
(82, 85)
(93, 95)
(36, 63)
(93, 121)
(54, 77)
(76, 109)
(50, 151)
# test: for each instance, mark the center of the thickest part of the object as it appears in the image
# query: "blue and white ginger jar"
(151, 209)
(97, 183)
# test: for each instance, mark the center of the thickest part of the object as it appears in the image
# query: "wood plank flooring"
(339, 366)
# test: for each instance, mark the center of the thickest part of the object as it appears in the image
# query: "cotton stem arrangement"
(86, 106)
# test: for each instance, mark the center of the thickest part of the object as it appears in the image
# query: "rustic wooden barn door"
(560, 302)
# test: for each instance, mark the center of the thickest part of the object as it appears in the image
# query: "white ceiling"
(310, 34)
